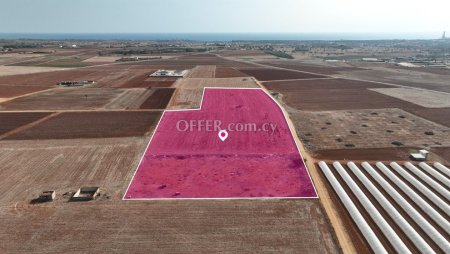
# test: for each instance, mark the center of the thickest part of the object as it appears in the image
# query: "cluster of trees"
(21, 46)
(278, 53)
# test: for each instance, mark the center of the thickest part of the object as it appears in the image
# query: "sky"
(224, 16)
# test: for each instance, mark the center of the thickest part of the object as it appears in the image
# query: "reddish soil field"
(440, 71)
(275, 74)
(309, 68)
(160, 81)
(343, 94)
(322, 84)
(159, 99)
(65, 99)
(226, 72)
(333, 94)
(11, 121)
(45, 78)
(444, 152)
(143, 80)
(138, 80)
(115, 75)
(438, 115)
(9, 91)
(91, 125)
(370, 154)
(197, 164)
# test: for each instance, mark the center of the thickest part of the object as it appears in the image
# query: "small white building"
(422, 155)
(371, 59)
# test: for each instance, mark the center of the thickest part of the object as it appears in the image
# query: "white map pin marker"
(223, 135)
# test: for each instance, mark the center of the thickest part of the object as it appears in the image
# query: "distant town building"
(406, 64)
(370, 59)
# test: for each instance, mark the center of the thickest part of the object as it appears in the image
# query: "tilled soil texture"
(325, 70)
(185, 160)
(265, 74)
(195, 226)
(202, 71)
(410, 77)
(344, 94)
(11, 121)
(115, 75)
(92, 125)
(160, 81)
(29, 167)
(374, 128)
(159, 98)
(438, 115)
(333, 94)
(444, 152)
(78, 99)
(9, 91)
(368, 154)
(145, 81)
(190, 90)
(226, 72)
(119, 75)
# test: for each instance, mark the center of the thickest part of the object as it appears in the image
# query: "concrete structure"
(422, 155)
(169, 73)
(47, 196)
(86, 194)
(76, 83)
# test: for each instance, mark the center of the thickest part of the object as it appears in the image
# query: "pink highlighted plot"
(188, 158)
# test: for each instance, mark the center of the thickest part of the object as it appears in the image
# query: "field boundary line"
(333, 76)
(28, 94)
(294, 79)
(29, 125)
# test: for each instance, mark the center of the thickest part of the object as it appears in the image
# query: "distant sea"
(220, 36)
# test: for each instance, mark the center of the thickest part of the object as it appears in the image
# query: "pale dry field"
(30, 167)
(11, 58)
(79, 99)
(409, 77)
(183, 226)
(110, 225)
(16, 70)
(190, 90)
(202, 71)
(424, 98)
(102, 59)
